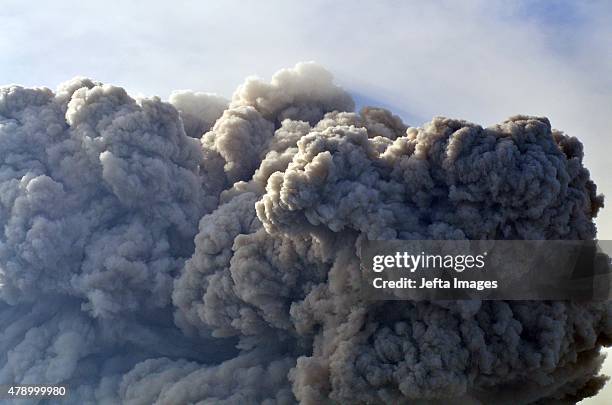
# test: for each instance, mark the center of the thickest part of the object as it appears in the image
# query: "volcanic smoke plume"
(204, 250)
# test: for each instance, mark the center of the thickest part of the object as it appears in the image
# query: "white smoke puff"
(287, 136)
(238, 142)
(280, 151)
(64, 91)
(378, 122)
(305, 92)
(198, 110)
(361, 190)
(240, 138)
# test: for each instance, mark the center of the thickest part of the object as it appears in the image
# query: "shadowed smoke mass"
(204, 250)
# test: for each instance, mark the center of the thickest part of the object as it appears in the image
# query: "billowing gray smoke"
(204, 250)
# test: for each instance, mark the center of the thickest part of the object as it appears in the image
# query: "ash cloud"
(205, 250)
